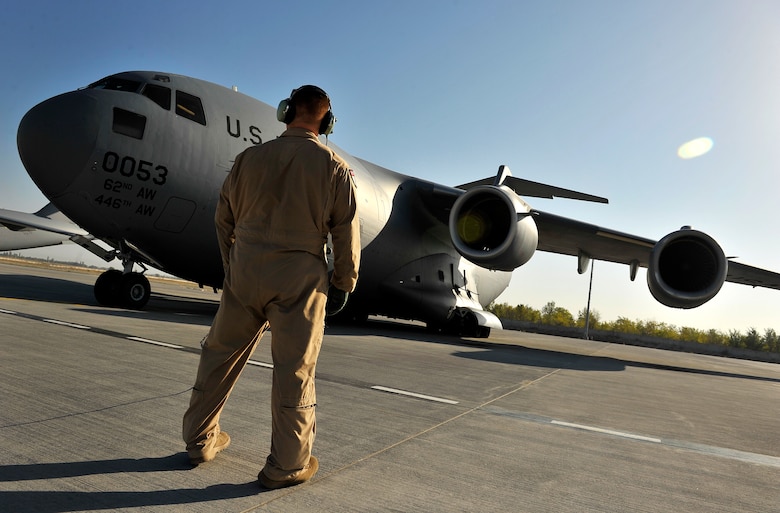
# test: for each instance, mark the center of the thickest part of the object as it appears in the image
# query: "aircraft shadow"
(545, 359)
(517, 355)
(492, 352)
(54, 290)
(201, 312)
(161, 307)
(60, 501)
(40, 288)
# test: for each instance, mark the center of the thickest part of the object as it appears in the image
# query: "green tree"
(501, 310)
(552, 314)
(515, 313)
(753, 340)
(771, 341)
(658, 329)
(624, 325)
(556, 315)
(529, 314)
(735, 339)
(715, 337)
(595, 318)
(691, 335)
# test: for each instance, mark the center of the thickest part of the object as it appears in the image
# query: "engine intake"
(687, 268)
(493, 228)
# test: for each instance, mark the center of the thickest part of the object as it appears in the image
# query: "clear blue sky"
(590, 95)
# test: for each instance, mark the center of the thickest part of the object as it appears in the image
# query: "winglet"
(503, 173)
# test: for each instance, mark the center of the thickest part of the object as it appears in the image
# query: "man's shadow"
(61, 501)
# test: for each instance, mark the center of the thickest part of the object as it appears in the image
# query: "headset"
(285, 112)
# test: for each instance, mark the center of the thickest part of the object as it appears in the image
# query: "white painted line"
(155, 343)
(69, 324)
(413, 394)
(260, 364)
(607, 431)
(7, 311)
(750, 457)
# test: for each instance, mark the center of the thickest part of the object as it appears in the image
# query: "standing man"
(275, 211)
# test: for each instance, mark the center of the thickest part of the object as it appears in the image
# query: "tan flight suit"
(276, 208)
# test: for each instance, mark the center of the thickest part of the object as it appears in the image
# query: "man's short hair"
(311, 103)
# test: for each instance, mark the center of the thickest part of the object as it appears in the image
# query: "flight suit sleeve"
(224, 220)
(345, 231)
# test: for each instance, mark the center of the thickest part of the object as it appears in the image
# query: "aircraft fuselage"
(137, 159)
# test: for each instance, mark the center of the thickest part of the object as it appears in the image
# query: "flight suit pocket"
(298, 395)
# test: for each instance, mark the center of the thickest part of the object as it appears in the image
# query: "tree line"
(553, 315)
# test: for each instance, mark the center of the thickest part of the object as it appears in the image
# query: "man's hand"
(337, 300)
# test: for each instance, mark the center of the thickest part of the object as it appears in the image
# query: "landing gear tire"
(462, 326)
(131, 290)
(134, 291)
(107, 287)
(482, 332)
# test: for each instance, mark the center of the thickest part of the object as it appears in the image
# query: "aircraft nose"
(56, 139)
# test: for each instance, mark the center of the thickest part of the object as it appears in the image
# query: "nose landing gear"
(131, 290)
(128, 290)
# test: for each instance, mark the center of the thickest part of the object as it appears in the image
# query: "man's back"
(282, 192)
(287, 195)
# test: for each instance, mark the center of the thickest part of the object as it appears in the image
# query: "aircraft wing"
(571, 237)
(583, 240)
(753, 276)
(47, 227)
(523, 187)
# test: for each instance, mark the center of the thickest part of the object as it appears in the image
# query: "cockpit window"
(159, 95)
(116, 84)
(190, 107)
(187, 105)
(129, 123)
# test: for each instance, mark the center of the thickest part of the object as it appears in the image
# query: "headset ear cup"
(326, 125)
(285, 112)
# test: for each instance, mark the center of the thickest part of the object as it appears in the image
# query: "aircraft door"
(176, 215)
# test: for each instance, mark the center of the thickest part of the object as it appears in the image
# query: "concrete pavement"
(92, 400)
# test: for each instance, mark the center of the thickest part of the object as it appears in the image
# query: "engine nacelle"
(687, 268)
(493, 228)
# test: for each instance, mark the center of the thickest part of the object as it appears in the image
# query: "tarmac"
(92, 400)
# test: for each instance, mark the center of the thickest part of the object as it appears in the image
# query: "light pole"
(587, 311)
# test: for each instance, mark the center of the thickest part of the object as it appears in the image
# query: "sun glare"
(695, 148)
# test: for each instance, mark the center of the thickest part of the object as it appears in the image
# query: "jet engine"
(687, 268)
(493, 228)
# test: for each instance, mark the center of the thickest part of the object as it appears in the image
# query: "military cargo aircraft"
(135, 161)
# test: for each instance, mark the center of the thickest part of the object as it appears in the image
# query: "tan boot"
(207, 451)
(307, 473)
